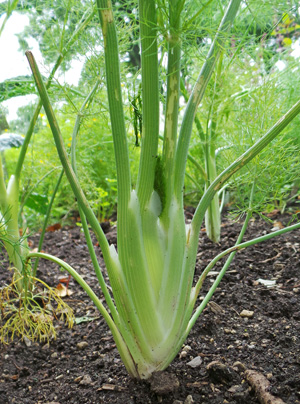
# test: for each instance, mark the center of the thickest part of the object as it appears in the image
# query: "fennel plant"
(152, 307)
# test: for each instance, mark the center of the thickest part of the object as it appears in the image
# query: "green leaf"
(16, 86)
(37, 202)
(287, 42)
(84, 319)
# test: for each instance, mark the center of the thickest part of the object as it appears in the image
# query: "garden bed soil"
(246, 326)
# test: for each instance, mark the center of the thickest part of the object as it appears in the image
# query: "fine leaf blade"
(16, 87)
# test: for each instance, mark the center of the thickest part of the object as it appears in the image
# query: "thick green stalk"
(212, 214)
(15, 247)
(131, 248)
(197, 94)
(200, 133)
(124, 296)
(200, 130)
(150, 99)
(172, 107)
(87, 235)
(177, 276)
(167, 269)
(3, 194)
(193, 161)
(9, 228)
(112, 65)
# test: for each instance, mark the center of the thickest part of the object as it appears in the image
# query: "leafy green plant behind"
(20, 313)
(153, 306)
(252, 109)
(246, 106)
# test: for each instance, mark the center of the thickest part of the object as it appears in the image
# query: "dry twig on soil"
(261, 385)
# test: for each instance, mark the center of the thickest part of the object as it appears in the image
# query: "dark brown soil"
(224, 342)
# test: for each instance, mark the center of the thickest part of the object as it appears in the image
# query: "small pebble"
(194, 363)
(27, 341)
(189, 400)
(52, 402)
(82, 345)
(184, 352)
(86, 380)
(247, 313)
(234, 389)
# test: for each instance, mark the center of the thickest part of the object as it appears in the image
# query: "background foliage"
(253, 93)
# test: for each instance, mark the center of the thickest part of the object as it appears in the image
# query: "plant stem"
(47, 216)
(197, 288)
(82, 215)
(240, 162)
(3, 193)
(172, 106)
(121, 345)
(150, 99)
(85, 20)
(81, 199)
(212, 214)
(197, 94)
(11, 6)
(232, 251)
(114, 93)
(117, 270)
